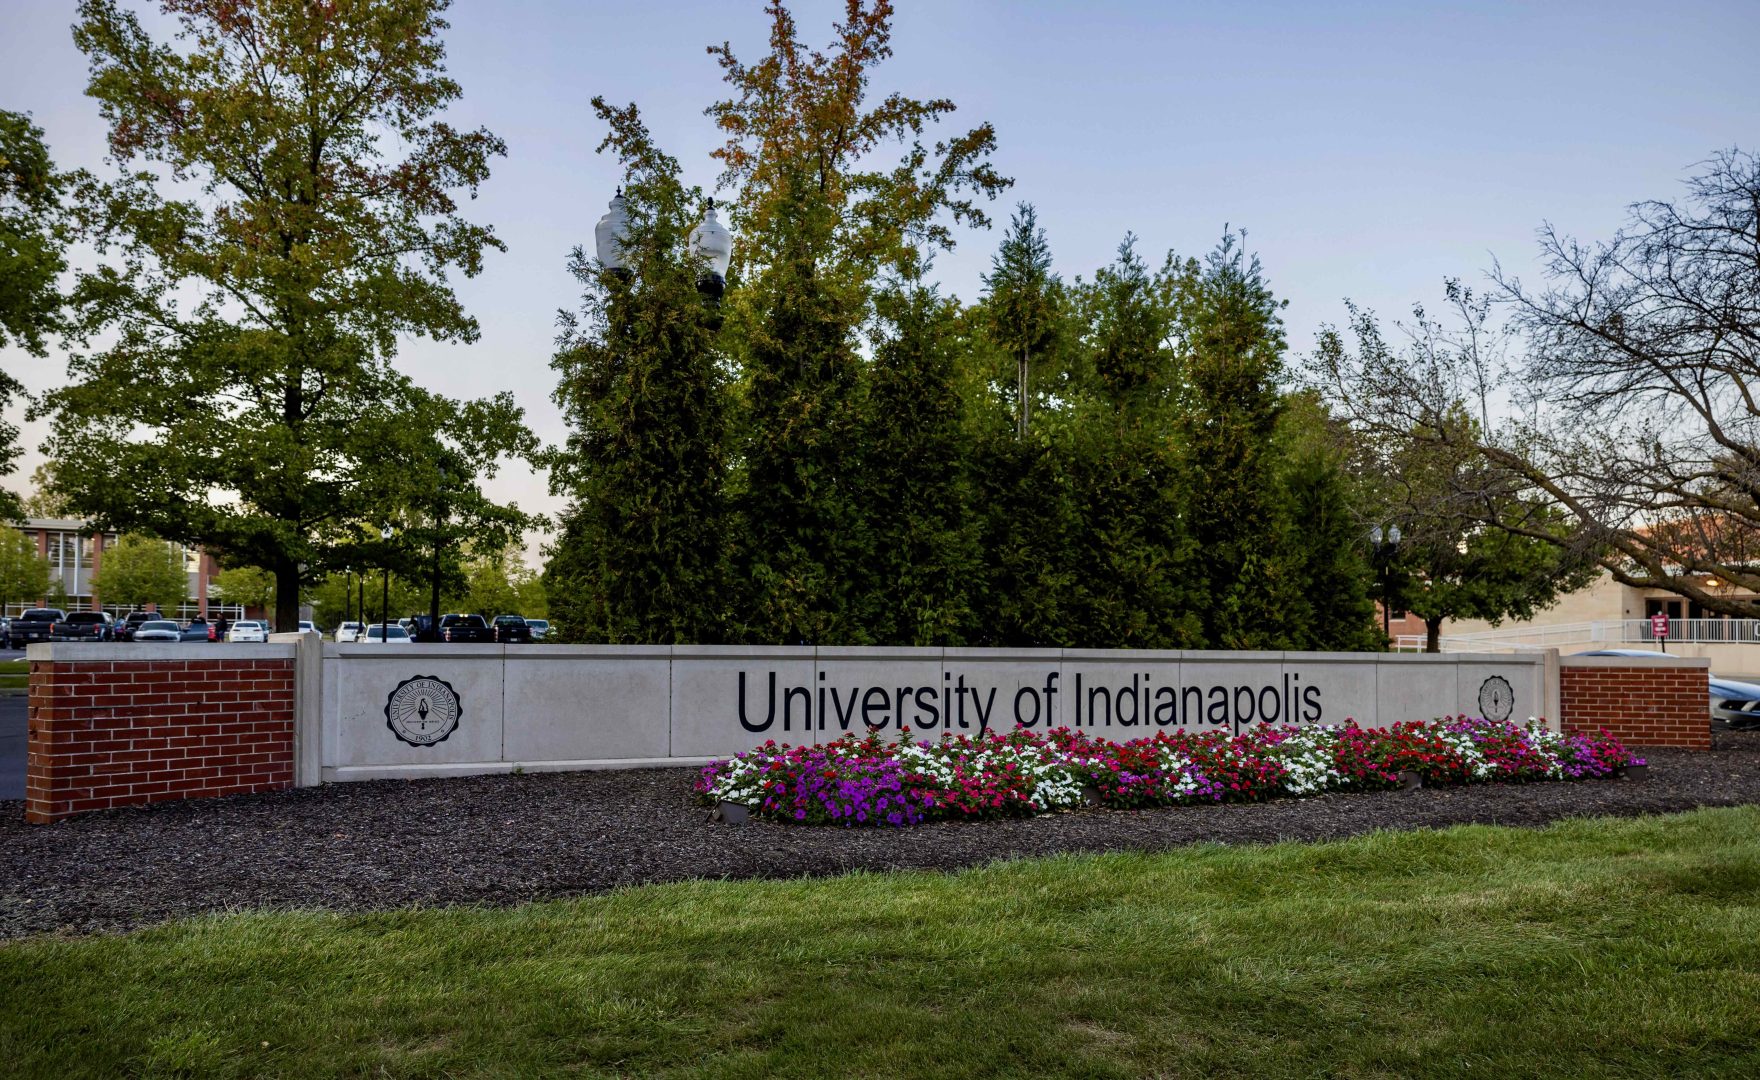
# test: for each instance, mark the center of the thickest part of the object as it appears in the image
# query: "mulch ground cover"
(512, 839)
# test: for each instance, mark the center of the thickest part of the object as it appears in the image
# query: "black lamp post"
(1386, 547)
(385, 534)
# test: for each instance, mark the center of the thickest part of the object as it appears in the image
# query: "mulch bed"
(511, 839)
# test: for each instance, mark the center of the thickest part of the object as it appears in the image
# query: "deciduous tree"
(140, 570)
(24, 574)
(297, 218)
(32, 246)
(1630, 415)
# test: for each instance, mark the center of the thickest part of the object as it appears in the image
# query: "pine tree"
(1321, 529)
(1021, 301)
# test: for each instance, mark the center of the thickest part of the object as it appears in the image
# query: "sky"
(1369, 149)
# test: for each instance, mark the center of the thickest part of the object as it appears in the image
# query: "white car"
(347, 632)
(247, 630)
(379, 634)
(307, 626)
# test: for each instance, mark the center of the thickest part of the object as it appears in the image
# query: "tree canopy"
(296, 216)
(1629, 434)
(138, 570)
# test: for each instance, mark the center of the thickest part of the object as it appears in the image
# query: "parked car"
(347, 632)
(132, 622)
(1731, 700)
(84, 626)
(307, 626)
(423, 630)
(5, 632)
(198, 630)
(158, 630)
(540, 627)
(459, 629)
(247, 630)
(512, 630)
(380, 634)
(35, 625)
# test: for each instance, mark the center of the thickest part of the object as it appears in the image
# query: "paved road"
(12, 746)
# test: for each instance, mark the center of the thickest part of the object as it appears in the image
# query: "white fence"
(1605, 633)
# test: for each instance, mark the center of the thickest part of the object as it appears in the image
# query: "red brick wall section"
(133, 732)
(1642, 706)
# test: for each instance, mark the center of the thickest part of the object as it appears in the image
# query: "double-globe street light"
(1386, 544)
(709, 242)
(386, 532)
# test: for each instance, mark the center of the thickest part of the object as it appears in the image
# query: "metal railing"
(1608, 633)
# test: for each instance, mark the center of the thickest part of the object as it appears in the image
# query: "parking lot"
(12, 738)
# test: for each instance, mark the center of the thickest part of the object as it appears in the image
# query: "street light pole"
(1384, 554)
(385, 598)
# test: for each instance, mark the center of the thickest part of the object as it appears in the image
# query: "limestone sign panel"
(583, 706)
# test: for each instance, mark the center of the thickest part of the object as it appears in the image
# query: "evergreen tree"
(1321, 526)
(925, 540)
(1125, 464)
(1234, 362)
(642, 555)
(1021, 302)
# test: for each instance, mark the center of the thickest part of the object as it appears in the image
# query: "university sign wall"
(401, 712)
(297, 712)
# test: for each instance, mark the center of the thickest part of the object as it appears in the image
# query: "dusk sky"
(1370, 149)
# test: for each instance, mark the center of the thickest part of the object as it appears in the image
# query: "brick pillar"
(1641, 702)
(109, 730)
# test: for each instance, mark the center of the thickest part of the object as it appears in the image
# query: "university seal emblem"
(1496, 699)
(422, 711)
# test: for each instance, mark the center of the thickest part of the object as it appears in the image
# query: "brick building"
(75, 556)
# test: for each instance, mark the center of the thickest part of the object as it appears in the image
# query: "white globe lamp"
(611, 236)
(713, 244)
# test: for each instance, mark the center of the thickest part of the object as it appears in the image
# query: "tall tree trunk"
(1021, 384)
(434, 587)
(1433, 634)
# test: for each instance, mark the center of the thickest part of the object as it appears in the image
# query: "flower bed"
(869, 781)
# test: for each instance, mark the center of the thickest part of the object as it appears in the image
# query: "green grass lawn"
(14, 673)
(1595, 948)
